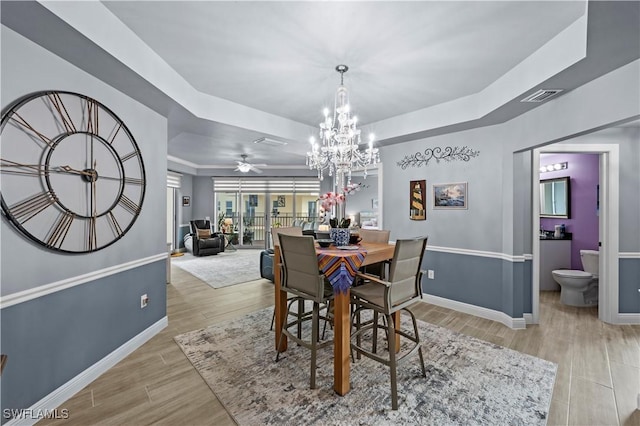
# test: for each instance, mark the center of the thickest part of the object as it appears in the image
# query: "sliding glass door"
(253, 219)
(254, 206)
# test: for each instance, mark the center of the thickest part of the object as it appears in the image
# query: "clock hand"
(93, 242)
(14, 167)
(72, 170)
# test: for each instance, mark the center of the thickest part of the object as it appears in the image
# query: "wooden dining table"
(373, 253)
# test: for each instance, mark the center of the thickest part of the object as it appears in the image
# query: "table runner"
(340, 266)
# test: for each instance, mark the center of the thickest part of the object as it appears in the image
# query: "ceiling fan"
(245, 167)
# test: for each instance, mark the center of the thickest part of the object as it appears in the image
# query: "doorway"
(607, 226)
(171, 218)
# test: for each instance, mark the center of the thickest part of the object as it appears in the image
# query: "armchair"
(204, 241)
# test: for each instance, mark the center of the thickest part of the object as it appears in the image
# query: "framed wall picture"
(253, 200)
(417, 200)
(450, 195)
(281, 201)
(186, 201)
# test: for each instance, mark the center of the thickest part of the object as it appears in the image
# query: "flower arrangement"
(330, 199)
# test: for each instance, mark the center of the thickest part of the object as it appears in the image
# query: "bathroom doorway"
(608, 207)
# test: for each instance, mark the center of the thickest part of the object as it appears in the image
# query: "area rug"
(469, 381)
(223, 269)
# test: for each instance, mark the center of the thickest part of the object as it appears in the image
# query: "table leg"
(280, 301)
(341, 343)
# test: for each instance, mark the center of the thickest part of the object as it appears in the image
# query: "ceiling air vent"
(541, 95)
(268, 141)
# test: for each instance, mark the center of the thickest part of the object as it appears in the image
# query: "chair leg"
(324, 327)
(273, 319)
(415, 330)
(374, 343)
(392, 362)
(358, 338)
(280, 342)
(315, 326)
(300, 313)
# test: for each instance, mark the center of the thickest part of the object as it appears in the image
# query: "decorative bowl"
(323, 235)
(324, 243)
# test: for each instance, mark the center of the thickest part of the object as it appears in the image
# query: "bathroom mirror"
(555, 198)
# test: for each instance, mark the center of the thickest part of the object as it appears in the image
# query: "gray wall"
(498, 222)
(203, 198)
(52, 338)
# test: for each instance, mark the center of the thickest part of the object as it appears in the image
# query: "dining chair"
(290, 230)
(374, 236)
(300, 276)
(387, 297)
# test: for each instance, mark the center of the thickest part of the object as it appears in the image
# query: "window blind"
(174, 180)
(304, 185)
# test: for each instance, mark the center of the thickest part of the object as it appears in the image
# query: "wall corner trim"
(34, 293)
(76, 384)
(478, 311)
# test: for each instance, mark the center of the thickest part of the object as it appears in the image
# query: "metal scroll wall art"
(445, 154)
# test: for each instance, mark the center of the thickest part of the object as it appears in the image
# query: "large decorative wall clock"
(72, 176)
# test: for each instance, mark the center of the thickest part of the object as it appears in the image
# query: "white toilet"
(580, 288)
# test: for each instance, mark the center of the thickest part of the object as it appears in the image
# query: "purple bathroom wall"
(584, 171)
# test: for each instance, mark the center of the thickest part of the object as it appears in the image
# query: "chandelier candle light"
(339, 139)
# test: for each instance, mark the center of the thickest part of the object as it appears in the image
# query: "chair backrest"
(301, 275)
(291, 230)
(374, 235)
(200, 224)
(404, 271)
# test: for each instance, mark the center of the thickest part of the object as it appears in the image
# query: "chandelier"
(338, 150)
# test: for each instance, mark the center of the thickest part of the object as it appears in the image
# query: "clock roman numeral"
(133, 181)
(60, 229)
(63, 114)
(117, 230)
(93, 236)
(28, 208)
(130, 156)
(129, 205)
(114, 133)
(35, 135)
(93, 112)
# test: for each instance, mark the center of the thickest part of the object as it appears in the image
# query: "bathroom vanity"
(555, 253)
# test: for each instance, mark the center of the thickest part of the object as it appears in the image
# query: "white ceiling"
(438, 65)
(279, 57)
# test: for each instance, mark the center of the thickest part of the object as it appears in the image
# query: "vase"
(340, 236)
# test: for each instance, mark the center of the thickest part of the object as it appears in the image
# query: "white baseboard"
(628, 319)
(622, 318)
(478, 311)
(59, 396)
(528, 318)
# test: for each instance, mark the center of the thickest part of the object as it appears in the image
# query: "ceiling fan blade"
(255, 169)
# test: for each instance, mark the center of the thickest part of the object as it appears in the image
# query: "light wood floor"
(597, 383)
